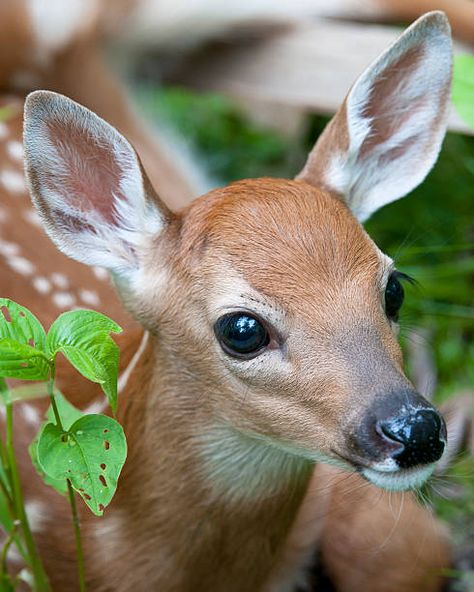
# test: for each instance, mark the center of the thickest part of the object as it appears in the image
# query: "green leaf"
(18, 323)
(22, 343)
(69, 414)
(7, 524)
(6, 583)
(22, 361)
(83, 337)
(463, 87)
(77, 327)
(90, 454)
(60, 485)
(4, 391)
(6, 521)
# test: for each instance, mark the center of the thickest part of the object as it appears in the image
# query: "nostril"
(389, 430)
(421, 436)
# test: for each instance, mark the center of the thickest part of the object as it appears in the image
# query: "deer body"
(220, 490)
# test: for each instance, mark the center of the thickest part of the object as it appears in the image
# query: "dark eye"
(241, 334)
(394, 295)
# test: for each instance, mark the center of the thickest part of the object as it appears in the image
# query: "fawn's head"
(270, 289)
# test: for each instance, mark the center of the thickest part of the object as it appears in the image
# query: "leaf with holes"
(22, 361)
(90, 454)
(22, 343)
(83, 337)
(69, 414)
(18, 323)
(463, 87)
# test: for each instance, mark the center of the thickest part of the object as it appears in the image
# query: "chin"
(400, 480)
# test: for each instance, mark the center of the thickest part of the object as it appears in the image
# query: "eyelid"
(400, 275)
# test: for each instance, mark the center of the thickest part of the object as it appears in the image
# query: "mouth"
(387, 475)
(399, 480)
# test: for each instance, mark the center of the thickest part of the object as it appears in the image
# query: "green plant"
(73, 452)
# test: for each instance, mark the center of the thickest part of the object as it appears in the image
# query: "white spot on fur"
(9, 249)
(100, 273)
(53, 26)
(89, 297)
(60, 280)
(36, 511)
(3, 130)
(30, 414)
(32, 217)
(21, 265)
(15, 150)
(41, 284)
(64, 299)
(12, 181)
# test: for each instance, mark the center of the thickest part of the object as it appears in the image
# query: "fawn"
(268, 346)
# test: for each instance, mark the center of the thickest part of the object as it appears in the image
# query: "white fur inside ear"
(396, 119)
(87, 185)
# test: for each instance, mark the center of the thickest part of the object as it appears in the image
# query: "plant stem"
(77, 533)
(70, 490)
(6, 546)
(54, 407)
(40, 576)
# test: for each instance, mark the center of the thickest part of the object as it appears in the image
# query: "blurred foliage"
(463, 87)
(231, 147)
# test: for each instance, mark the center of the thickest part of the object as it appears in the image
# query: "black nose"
(422, 434)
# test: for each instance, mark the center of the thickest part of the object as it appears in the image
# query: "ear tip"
(36, 104)
(435, 22)
(38, 98)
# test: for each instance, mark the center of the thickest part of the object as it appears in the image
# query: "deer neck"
(200, 505)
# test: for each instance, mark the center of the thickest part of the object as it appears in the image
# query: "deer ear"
(87, 184)
(386, 136)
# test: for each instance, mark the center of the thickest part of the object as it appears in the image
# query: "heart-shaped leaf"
(83, 337)
(90, 454)
(69, 414)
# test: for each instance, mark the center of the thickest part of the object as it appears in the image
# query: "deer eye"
(241, 335)
(394, 295)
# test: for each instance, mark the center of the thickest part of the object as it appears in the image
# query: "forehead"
(285, 238)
